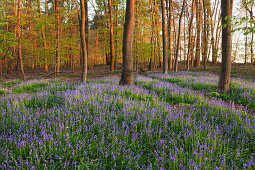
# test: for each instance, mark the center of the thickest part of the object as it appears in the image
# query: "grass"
(10, 83)
(29, 87)
(4, 91)
(237, 93)
(151, 125)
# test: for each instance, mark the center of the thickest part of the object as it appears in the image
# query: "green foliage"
(45, 101)
(238, 22)
(29, 87)
(7, 39)
(10, 83)
(4, 91)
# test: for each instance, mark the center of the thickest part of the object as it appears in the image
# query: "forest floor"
(238, 70)
(172, 121)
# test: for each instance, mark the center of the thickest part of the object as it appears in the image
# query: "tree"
(19, 43)
(224, 80)
(57, 67)
(190, 38)
(198, 25)
(46, 67)
(179, 37)
(170, 13)
(83, 42)
(127, 66)
(165, 67)
(205, 33)
(112, 55)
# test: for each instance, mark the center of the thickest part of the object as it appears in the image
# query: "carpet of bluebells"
(174, 121)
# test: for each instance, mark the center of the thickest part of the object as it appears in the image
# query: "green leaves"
(7, 40)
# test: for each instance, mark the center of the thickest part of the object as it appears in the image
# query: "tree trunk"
(175, 40)
(112, 55)
(116, 35)
(19, 43)
(87, 26)
(252, 36)
(46, 67)
(224, 81)
(57, 67)
(83, 42)
(214, 49)
(170, 35)
(96, 56)
(198, 24)
(165, 67)
(246, 44)
(190, 38)
(179, 37)
(152, 37)
(127, 66)
(218, 33)
(205, 33)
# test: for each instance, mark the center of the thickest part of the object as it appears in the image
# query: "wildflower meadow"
(174, 121)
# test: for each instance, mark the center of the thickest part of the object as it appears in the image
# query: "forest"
(127, 84)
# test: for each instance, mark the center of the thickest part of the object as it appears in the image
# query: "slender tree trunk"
(136, 36)
(83, 42)
(205, 33)
(214, 52)
(179, 37)
(19, 43)
(190, 38)
(46, 67)
(164, 37)
(224, 81)
(57, 67)
(217, 41)
(87, 27)
(170, 35)
(127, 66)
(246, 43)
(116, 35)
(112, 54)
(192, 51)
(252, 36)
(14, 53)
(96, 56)
(198, 24)
(152, 37)
(157, 37)
(175, 40)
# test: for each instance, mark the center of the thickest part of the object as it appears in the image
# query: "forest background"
(43, 36)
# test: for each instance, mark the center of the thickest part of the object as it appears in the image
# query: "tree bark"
(179, 37)
(198, 24)
(252, 36)
(83, 42)
(170, 35)
(87, 26)
(112, 54)
(152, 37)
(57, 67)
(19, 43)
(46, 67)
(205, 33)
(224, 80)
(165, 67)
(96, 56)
(127, 66)
(190, 38)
